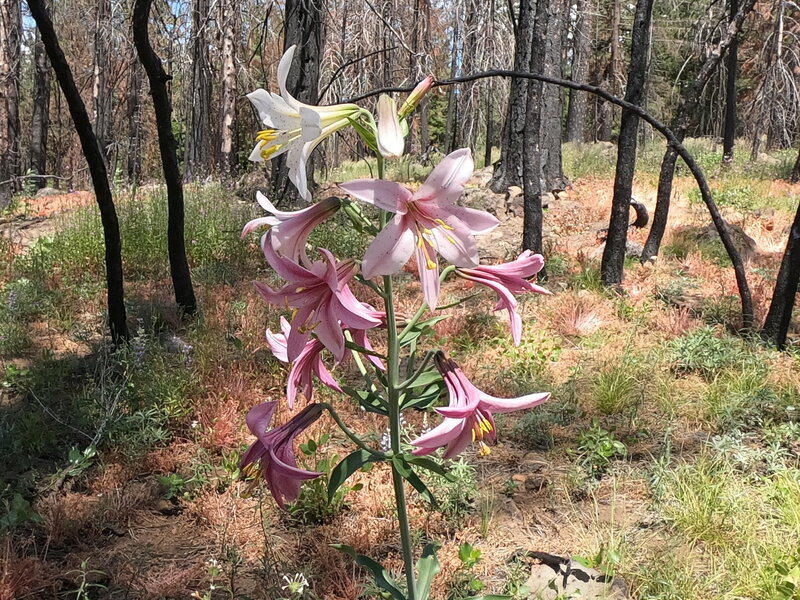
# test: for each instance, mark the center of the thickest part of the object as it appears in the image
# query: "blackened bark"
(305, 21)
(10, 53)
(779, 317)
(101, 93)
(729, 132)
(611, 268)
(197, 154)
(487, 150)
(40, 119)
(179, 266)
(552, 103)
(533, 175)
(605, 116)
(680, 125)
(578, 101)
(509, 169)
(97, 169)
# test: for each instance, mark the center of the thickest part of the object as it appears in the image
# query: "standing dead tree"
(779, 317)
(10, 53)
(680, 125)
(97, 168)
(612, 265)
(179, 266)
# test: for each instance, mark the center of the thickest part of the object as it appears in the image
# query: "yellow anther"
(428, 231)
(266, 153)
(484, 450)
(431, 265)
(450, 239)
(267, 135)
(442, 224)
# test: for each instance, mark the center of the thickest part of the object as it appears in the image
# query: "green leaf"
(429, 464)
(361, 350)
(367, 134)
(423, 399)
(382, 578)
(348, 465)
(427, 568)
(407, 473)
(370, 401)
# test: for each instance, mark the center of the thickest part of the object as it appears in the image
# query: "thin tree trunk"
(304, 27)
(552, 102)
(732, 61)
(198, 134)
(179, 266)
(680, 125)
(533, 176)
(611, 268)
(606, 110)
(101, 94)
(795, 175)
(10, 53)
(779, 317)
(509, 169)
(450, 134)
(40, 119)
(578, 101)
(97, 169)
(229, 12)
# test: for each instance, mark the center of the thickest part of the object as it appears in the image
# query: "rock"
(632, 250)
(558, 577)
(48, 191)
(746, 245)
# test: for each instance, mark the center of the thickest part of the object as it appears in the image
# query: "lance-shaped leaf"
(382, 578)
(346, 467)
(407, 473)
(427, 568)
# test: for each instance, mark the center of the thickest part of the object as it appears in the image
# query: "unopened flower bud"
(416, 96)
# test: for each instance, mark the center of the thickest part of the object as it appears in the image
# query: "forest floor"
(669, 455)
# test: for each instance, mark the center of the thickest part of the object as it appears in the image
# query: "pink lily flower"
(273, 453)
(509, 280)
(309, 363)
(427, 222)
(290, 229)
(322, 298)
(468, 418)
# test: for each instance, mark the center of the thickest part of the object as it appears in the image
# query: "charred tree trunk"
(779, 317)
(305, 21)
(509, 169)
(450, 134)
(101, 94)
(229, 19)
(197, 159)
(795, 175)
(680, 125)
(605, 116)
(533, 175)
(578, 101)
(612, 266)
(10, 53)
(729, 131)
(552, 100)
(40, 119)
(97, 168)
(178, 265)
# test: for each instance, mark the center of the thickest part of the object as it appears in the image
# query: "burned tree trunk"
(40, 120)
(680, 126)
(794, 177)
(197, 159)
(605, 111)
(179, 266)
(97, 169)
(779, 317)
(552, 99)
(578, 101)
(611, 269)
(729, 131)
(305, 21)
(133, 158)
(101, 93)
(229, 19)
(509, 169)
(10, 53)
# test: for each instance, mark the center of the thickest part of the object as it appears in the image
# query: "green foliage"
(465, 583)
(314, 506)
(16, 511)
(606, 560)
(533, 430)
(618, 387)
(596, 449)
(788, 575)
(456, 493)
(703, 352)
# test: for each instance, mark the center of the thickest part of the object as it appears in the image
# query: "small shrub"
(618, 388)
(456, 495)
(701, 351)
(596, 449)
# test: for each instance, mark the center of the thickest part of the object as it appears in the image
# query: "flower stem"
(393, 391)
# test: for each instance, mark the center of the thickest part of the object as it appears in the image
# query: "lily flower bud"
(416, 96)
(390, 136)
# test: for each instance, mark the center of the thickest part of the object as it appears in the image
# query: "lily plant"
(328, 323)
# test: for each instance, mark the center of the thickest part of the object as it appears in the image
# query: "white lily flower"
(390, 135)
(293, 127)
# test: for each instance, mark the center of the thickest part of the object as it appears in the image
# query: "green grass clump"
(703, 352)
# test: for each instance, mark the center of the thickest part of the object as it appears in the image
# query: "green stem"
(393, 391)
(349, 432)
(420, 370)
